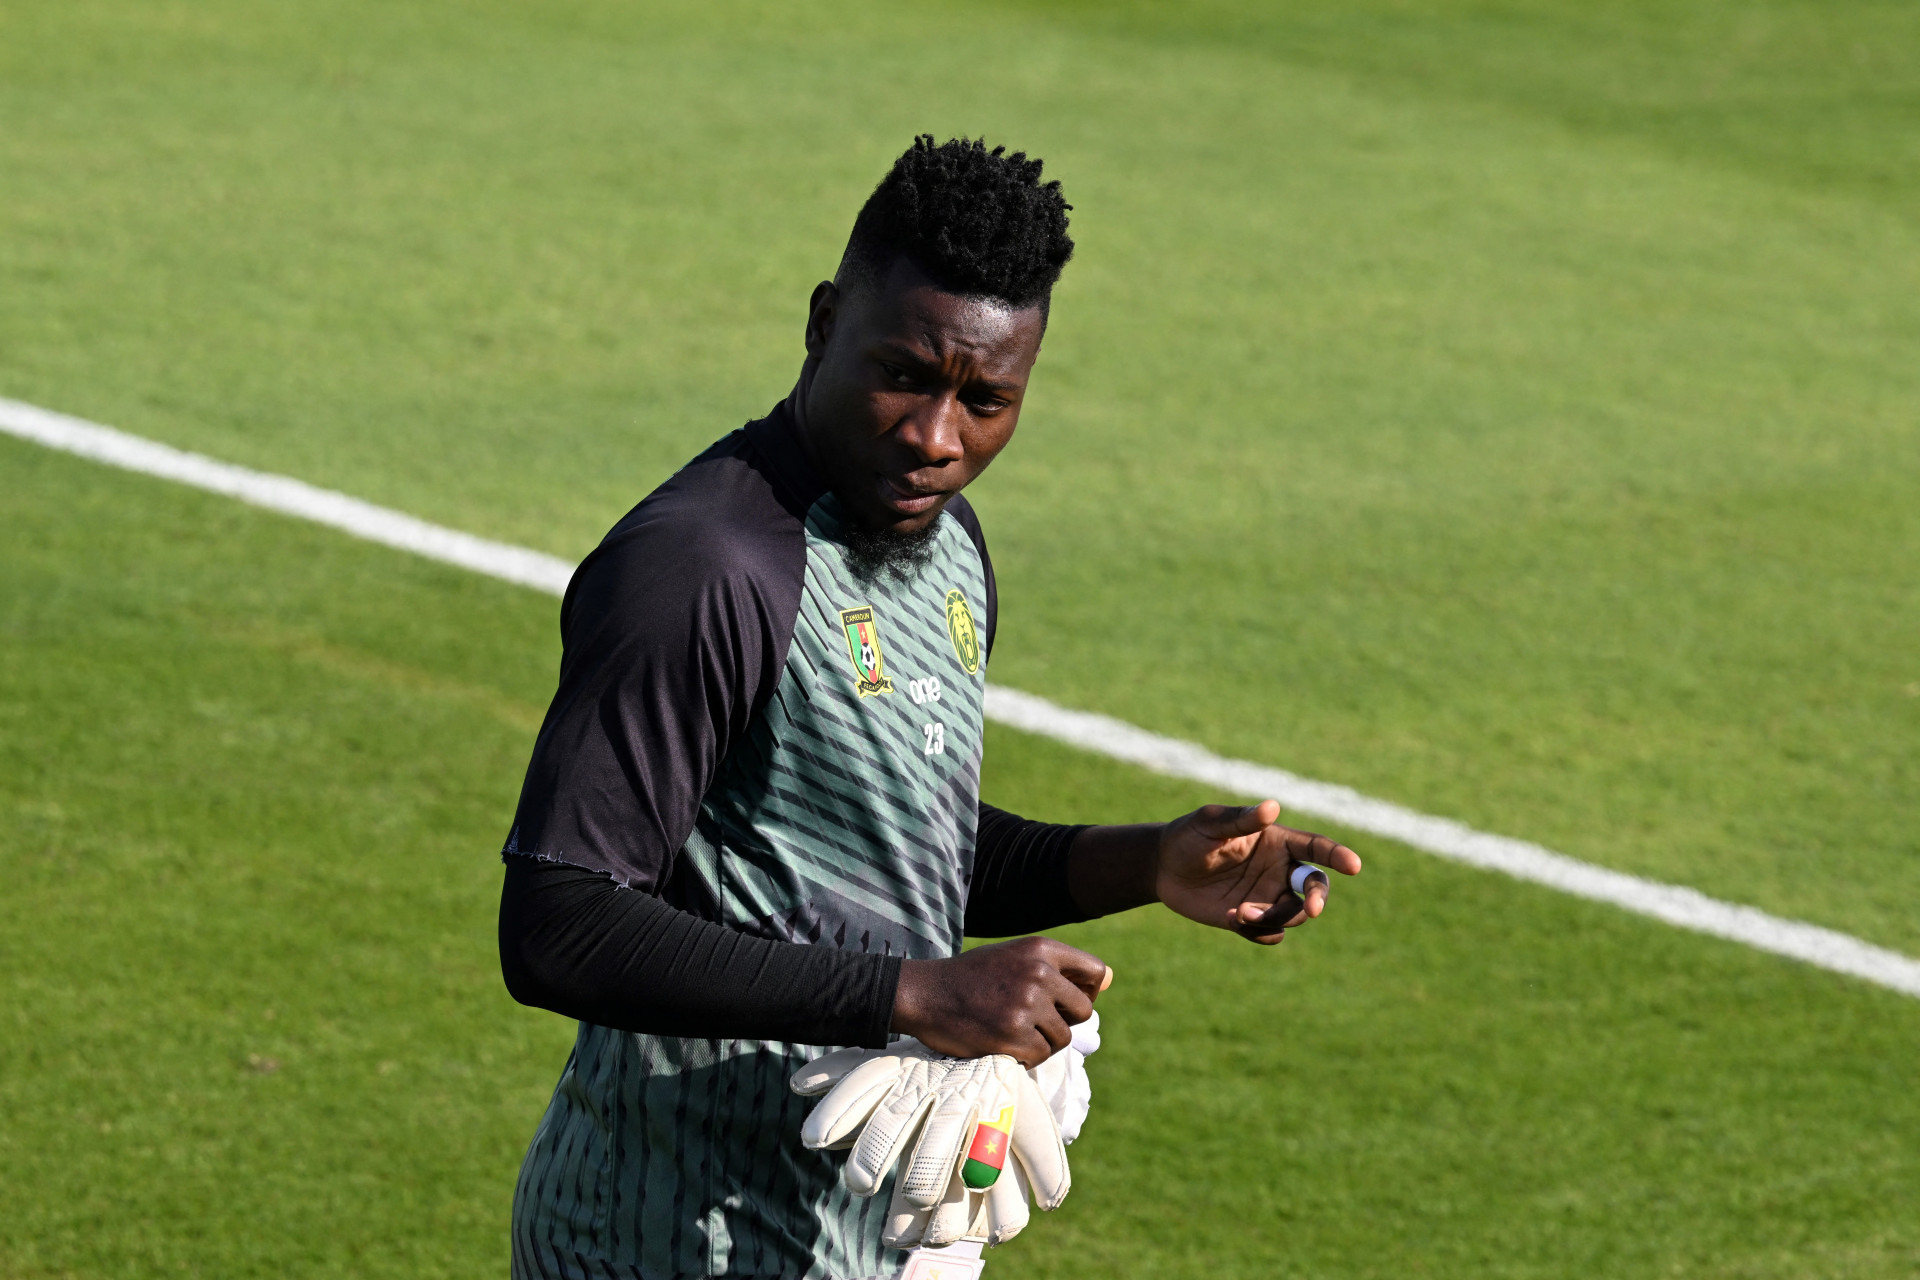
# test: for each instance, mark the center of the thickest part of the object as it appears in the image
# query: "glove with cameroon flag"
(956, 1122)
(1010, 1150)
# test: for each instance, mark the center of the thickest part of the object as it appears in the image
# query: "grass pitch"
(1509, 413)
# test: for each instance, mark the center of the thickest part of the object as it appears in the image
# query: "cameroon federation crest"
(966, 641)
(863, 643)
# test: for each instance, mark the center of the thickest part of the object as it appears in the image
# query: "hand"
(1228, 867)
(1020, 998)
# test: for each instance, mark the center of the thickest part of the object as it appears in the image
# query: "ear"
(822, 312)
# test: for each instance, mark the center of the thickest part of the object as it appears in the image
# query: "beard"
(876, 553)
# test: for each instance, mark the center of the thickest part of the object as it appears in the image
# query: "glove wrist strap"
(960, 1260)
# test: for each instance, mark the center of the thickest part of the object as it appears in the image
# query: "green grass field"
(1507, 409)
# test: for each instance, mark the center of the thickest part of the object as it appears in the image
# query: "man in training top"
(752, 826)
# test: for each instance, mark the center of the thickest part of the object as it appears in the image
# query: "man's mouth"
(907, 499)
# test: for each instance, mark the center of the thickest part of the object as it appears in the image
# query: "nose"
(933, 431)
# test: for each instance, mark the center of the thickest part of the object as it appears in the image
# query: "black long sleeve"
(574, 942)
(1019, 880)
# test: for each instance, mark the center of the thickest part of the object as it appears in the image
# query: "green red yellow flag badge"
(988, 1154)
(863, 643)
(966, 640)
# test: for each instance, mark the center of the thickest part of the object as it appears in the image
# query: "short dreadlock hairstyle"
(980, 223)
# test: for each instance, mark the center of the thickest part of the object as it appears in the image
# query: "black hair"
(980, 223)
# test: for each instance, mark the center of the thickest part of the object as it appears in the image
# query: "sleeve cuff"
(885, 984)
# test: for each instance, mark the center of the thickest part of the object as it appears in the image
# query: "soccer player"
(752, 821)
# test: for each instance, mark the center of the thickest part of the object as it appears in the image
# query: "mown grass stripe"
(1676, 905)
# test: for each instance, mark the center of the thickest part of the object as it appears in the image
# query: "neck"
(797, 406)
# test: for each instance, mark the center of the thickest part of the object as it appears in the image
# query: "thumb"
(1225, 822)
(1082, 968)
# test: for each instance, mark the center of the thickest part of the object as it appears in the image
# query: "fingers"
(1316, 895)
(1260, 921)
(1069, 981)
(852, 1101)
(1055, 1032)
(1300, 846)
(895, 1121)
(950, 1219)
(1007, 1205)
(906, 1223)
(1082, 968)
(1305, 897)
(1019, 998)
(1271, 887)
(1308, 846)
(1225, 821)
(1266, 923)
(827, 1070)
(1071, 1000)
(1038, 1147)
(1057, 1035)
(1275, 902)
(946, 1129)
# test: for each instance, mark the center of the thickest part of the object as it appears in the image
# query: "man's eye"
(896, 375)
(988, 407)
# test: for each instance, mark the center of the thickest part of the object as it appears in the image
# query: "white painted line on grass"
(1103, 735)
(282, 493)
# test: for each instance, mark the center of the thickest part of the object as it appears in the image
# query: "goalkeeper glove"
(881, 1102)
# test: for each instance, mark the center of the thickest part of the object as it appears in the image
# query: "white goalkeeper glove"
(1062, 1079)
(962, 1118)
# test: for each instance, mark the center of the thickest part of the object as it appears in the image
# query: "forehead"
(906, 309)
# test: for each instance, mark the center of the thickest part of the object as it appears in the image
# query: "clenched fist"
(1020, 998)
